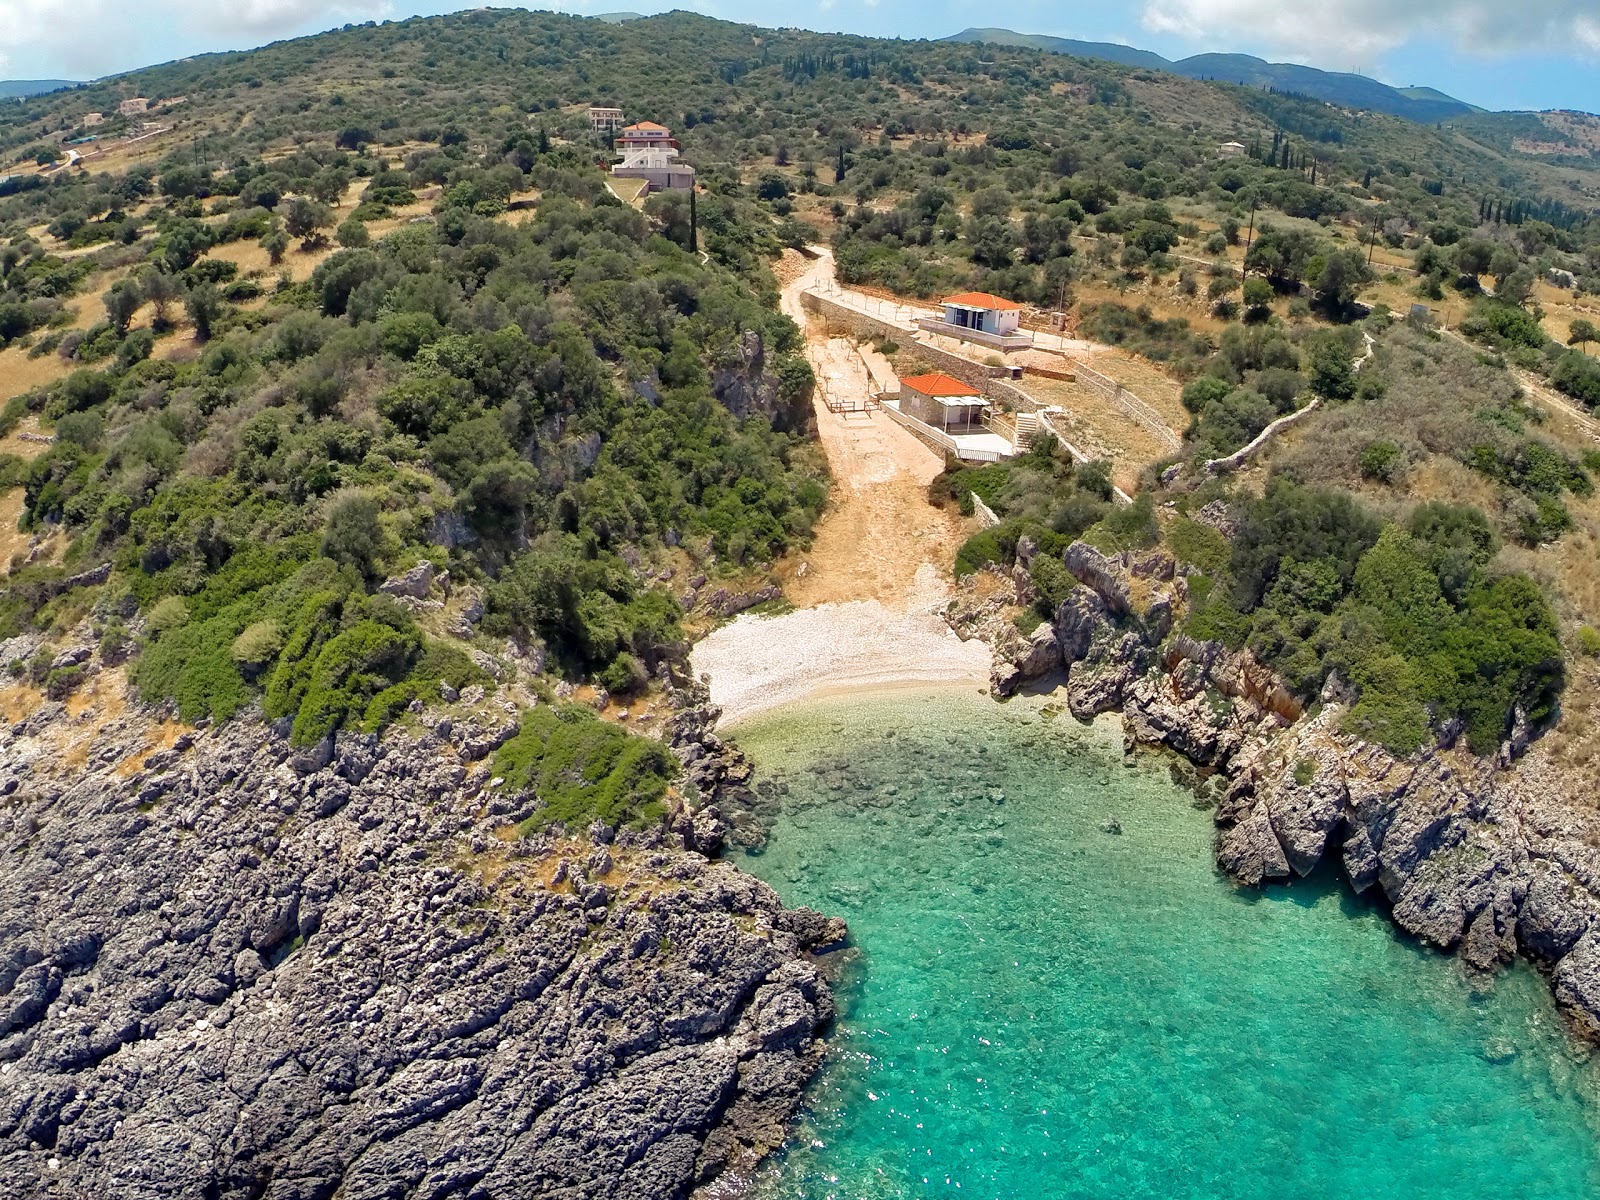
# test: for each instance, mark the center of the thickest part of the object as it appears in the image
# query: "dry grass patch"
(20, 373)
(12, 540)
(19, 701)
(251, 259)
(163, 737)
(1097, 429)
(23, 440)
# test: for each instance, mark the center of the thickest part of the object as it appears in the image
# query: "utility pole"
(1249, 237)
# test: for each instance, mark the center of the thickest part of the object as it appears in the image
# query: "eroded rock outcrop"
(1477, 856)
(228, 972)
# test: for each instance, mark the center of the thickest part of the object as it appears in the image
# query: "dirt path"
(880, 539)
(869, 590)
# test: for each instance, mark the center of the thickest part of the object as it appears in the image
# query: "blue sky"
(1527, 54)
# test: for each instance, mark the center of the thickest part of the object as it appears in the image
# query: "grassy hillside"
(362, 300)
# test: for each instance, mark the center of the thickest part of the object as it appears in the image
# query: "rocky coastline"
(1478, 857)
(230, 968)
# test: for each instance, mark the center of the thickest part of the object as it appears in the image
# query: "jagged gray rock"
(412, 585)
(1019, 658)
(247, 971)
(1478, 857)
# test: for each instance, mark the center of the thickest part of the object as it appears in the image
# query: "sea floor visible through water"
(1053, 993)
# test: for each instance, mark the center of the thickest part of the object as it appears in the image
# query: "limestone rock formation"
(747, 385)
(1477, 857)
(228, 969)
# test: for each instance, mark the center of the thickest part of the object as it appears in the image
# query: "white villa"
(649, 152)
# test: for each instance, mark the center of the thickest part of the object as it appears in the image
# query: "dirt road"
(869, 590)
(880, 539)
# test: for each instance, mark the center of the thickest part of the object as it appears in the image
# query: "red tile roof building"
(938, 385)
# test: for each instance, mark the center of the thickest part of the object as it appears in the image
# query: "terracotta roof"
(937, 385)
(980, 300)
(646, 126)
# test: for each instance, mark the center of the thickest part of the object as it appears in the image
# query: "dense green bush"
(1407, 616)
(582, 769)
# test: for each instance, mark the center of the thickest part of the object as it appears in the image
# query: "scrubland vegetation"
(557, 409)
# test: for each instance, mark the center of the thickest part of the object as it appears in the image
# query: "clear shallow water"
(1045, 1009)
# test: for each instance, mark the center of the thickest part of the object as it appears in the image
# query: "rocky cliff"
(232, 970)
(1481, 857)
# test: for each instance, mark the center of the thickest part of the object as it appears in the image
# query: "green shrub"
(191, 666)
(258, 644)
(169, 614)
(977, 551)
(1589, 641)
(1381, 461)
(1053, 582)
(1505, 326)
(582, 768)
(625, 676)
(1305, 770)
(350, 669)
(1197, 545)
(1126, 527)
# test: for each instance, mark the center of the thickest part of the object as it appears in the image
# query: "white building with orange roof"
(980, 317)
(649, 152)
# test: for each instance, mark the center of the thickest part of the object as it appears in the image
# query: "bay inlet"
(1054, 993)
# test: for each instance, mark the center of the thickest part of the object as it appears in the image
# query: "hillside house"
(90, 120)
(649, 152)
(982, 318)
(605, 120)
(133, 107)
(944, 402)
(1231, 150)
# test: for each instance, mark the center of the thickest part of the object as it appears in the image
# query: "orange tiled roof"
(646, 126)
(938, 384)
(981, 300)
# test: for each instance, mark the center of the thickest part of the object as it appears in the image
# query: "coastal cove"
(1056, 993)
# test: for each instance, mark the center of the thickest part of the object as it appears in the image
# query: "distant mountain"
(1424, 105)
(11, 89)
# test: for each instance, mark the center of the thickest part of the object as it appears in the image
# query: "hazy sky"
(1523, 54)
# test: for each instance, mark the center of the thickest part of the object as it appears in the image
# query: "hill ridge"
(1421, 104)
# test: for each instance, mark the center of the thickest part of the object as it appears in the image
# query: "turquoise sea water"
(1043, 1008)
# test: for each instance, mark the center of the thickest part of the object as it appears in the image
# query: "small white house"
(1231, 149)
(133, 107)
(944, 402)
(982, 312)
(605, 120)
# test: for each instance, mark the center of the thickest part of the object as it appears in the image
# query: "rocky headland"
(1481, 857)
(232, 968)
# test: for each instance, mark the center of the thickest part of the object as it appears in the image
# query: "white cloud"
(1346, 29)
(86, 38)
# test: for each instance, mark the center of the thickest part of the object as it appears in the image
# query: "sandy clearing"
(879, 539)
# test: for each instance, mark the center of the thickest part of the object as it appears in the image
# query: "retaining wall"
(1129, 405)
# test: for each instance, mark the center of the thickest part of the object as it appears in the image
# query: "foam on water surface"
(1043, 1006)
